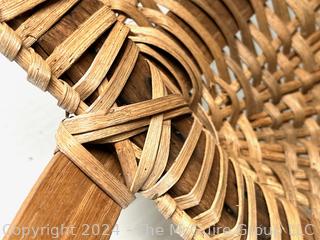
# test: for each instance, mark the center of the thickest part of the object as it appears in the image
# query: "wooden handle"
(66, 203)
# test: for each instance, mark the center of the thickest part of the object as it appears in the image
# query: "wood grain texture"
(263, 90)
(65, 198)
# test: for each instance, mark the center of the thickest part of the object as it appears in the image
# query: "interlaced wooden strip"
(36, 25)
(233, 138)
(61, 59)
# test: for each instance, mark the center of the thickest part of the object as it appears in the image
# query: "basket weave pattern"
(231, 104)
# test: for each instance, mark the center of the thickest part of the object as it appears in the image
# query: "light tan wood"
(65, 198)
(251, 120)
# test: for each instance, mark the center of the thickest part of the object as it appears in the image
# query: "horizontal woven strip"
(226, 123)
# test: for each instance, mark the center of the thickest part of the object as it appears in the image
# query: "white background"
(28, 121)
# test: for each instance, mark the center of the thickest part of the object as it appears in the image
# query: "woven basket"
(211, 106)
